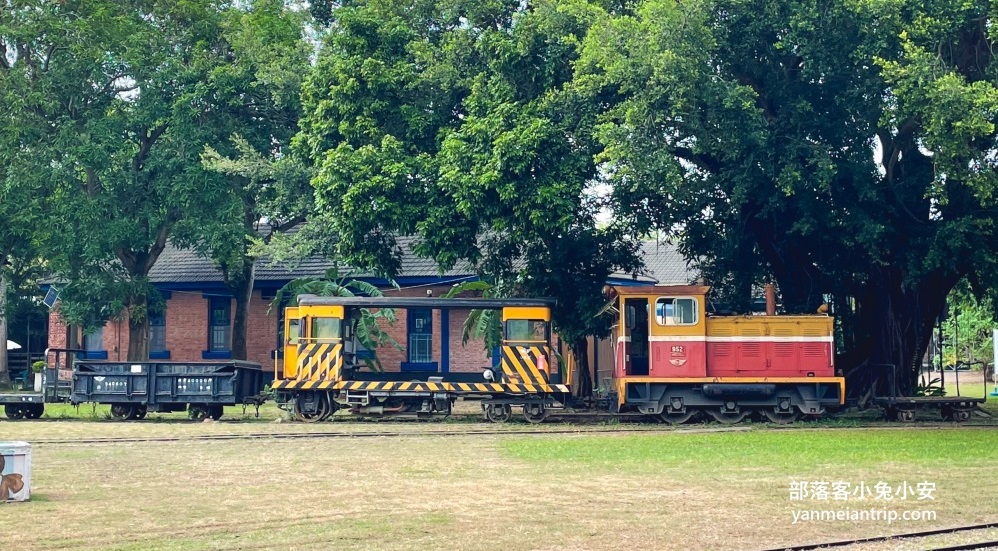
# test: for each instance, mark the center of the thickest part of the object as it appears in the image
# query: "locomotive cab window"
(526, 330)
(325, 329)
(676, 311)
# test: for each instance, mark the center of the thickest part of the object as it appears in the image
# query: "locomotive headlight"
(487, 374)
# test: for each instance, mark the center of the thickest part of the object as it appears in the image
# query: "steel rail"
(377, 434)
(909, 535)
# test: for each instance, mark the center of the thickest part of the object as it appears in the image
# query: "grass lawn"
(662, 491)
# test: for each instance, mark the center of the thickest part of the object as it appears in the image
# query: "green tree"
(269, 193)
(457, 122)
(108, 107)
(844, 149)
(967, 330)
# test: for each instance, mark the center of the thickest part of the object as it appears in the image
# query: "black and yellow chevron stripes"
(419, 386)
(319, 361)
(519, 363)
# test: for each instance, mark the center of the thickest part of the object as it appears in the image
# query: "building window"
(420, 328)
(676, 311)
(157, 331)
(94, 342)
(219, 324)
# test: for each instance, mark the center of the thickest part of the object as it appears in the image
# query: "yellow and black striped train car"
(326, 368)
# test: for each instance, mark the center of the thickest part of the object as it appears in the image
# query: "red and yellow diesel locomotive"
(672, 360)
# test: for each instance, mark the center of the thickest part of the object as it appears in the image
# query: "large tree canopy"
(108, 107)
(456, 122)
(842, 148)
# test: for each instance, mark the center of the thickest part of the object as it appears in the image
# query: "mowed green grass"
(776, 451)
(607, 491)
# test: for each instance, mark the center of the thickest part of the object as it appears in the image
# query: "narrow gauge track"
(568, 430)
(907, 536)
(377, 434)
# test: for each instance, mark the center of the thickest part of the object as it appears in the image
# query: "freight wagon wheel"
(140, 412)
(727, 417)
(13, 411)
(781, 417)
(197, 412)
(122, 412)
(215, 412)
(535, 413)
(901, 415)
(497, 413)
(33, 411)
(322, 411)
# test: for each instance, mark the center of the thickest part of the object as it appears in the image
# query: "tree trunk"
(242, 289)
(138, 328)
(4, 375)
(898, 319)
(580, 349)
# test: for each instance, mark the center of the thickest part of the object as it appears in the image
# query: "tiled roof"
(663, 264)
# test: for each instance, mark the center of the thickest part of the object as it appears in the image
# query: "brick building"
(197, 322)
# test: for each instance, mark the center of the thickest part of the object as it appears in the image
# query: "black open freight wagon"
(134, 388)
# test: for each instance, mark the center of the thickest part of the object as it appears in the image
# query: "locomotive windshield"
(325, 329)
(676, 311)
(526, 330)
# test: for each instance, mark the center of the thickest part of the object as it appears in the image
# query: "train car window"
(526, 330)
(293, 334)
(676, 311)
(325, 329)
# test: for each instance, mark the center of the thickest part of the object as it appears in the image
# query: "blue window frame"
(93, 343)
(157, 336)
(220, 324)
(419, 328)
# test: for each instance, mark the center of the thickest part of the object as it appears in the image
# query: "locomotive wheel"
(322, 411)
(122, 412)
(13, 411)
(535, 414)
(33, 411)
(497, 413)
(726, 417)
(215, 412)
(781, 417)
(197, 412)
(675, 418)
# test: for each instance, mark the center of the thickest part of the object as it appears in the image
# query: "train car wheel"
(535, 413)
(674, 418)
(781, 417)
(33, 411)
(322, 411)
(215, 412)
(197, 412)
(122, 412)
(497, 413)
(140, 412)
(726, 417)
(13, 411)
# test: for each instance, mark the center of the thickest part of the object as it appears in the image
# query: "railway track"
(379, 434)
(992, 544)
(450, 432)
